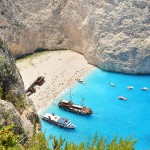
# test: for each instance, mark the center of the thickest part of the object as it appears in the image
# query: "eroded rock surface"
(15, 107)
(112, 34)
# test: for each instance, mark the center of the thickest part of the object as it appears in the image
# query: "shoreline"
(54, 99)
(60, 69)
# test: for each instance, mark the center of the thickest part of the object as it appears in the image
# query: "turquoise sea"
(111, 116)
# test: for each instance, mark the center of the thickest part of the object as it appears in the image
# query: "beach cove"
(111, 116)
(60, 68)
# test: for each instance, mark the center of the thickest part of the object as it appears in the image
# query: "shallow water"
(111, 116)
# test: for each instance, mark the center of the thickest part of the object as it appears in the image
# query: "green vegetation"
(37, 54)
(9, 141)
(37, 142)
(31, 56)
(16, 100)
(2, 45)
(6, 74)
(1, 92)
(97, 144)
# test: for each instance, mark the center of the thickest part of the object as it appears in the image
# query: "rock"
(112, 34)
(8, 115)
(15, 107)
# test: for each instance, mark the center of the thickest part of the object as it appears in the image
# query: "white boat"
(122, 98)
(81, 81)
(130, 87)
(58, 121)
(144, 88)
(112, 84)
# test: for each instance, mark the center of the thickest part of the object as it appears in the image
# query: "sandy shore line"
(60, 69)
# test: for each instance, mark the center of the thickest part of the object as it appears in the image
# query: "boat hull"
(56, 124)
(76, 111)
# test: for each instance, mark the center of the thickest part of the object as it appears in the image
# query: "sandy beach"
(60, 69)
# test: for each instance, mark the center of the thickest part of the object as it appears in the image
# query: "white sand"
(60, 69)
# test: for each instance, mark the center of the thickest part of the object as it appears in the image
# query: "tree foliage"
(37, 142)
(1, 92)
(9, 141)
(16, 100)
(96, 144)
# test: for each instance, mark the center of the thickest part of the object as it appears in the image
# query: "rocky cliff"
(15, 107)
(112, 34)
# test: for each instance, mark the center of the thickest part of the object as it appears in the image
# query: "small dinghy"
(112, 84)
(144, 88)
(122, 98)
(130, 87)
(81, 81)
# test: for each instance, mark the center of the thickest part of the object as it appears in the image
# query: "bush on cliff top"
(16, 100)
(9, 141)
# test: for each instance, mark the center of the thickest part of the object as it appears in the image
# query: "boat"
(130, 87)
(144, 88)
(39, 81)
(58, 121)
(78, 109)
(112, 84)
(81, 81)
(31, 89)
(122, 98)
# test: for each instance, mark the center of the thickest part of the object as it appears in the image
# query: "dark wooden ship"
(78, 109)
(31, 89)
(39, 81)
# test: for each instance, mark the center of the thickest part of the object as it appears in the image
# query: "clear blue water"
(112, 116)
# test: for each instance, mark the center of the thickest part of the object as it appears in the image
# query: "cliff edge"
(15, 107)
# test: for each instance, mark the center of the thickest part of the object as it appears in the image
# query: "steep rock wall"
(112, 34)
(15, 107)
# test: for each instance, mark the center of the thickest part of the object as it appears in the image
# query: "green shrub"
(96, 144)
(7, 76)
(9, 141)
(37, 142)
(1, 93)
(16, 100)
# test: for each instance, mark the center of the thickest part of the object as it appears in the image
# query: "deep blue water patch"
(111, 116)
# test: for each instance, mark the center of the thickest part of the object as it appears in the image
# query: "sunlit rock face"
(112, 34)
(15, 106)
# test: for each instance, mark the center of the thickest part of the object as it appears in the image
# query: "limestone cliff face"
(15, 107)
(112, 34)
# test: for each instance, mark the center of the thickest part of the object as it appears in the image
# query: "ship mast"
(70, 95)
(82, 101)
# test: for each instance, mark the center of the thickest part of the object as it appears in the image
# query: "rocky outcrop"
(15, 107)
(112, 34)
(9, 115)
